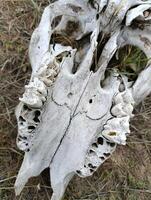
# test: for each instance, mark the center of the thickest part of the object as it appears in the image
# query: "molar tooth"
(47, 81)
(128, 98)
(116, 129)
(42, 70)
(32, 100)
(115, 136)
(129, 109)
(119, 124)
(125, 124)
(117, 110)
(40, 86)
(118, 98)
(121, 110)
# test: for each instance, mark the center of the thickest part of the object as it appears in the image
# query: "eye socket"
(56, 21)
(129, 61)
(72, 27)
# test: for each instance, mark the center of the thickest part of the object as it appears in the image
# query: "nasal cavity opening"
(102, 40)
(56, 21)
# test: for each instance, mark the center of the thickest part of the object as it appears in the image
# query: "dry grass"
(126, 176)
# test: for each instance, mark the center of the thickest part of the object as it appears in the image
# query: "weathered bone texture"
(75, 110)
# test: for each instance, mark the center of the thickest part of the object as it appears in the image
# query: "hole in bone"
(59, 57)
(25, 107)
(139, 23)
(111, 144)
(97, 16)
(70, 95)
(19, 139)
(36, 120)
(63, 39)
(37, 114)
(112, 133)
(45, 175)
(22, 138)
(147, 13)
(102, 158)
(106, 75)
(106, 154)
(56, 21)
(83, 45)
(91, 170)
(31, 127)
(71, 27)
(129, 61)
(102, 40)
(21, 119)
(104, 8)
(91, 166)
(78, 172)
(90, 101)
(100, 140)
(95, 145)
(91, 151)
(121, 87)
(93, 4)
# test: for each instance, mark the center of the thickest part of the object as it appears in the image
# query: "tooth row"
(114, 132)
(34, 98)
(32, 102)
(35, 94)
(117, 128)
(100, 150)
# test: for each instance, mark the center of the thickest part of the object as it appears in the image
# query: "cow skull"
(75, 110)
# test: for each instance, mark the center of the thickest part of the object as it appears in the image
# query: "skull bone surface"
(76, 109)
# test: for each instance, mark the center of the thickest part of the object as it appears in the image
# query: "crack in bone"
(70, 118)
(114, 132)
(34, 98)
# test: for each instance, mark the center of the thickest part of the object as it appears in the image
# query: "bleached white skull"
(72, 115)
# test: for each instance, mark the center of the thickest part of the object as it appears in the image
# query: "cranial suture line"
(75, 110)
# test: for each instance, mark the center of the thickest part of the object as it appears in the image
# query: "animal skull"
(72, 116)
